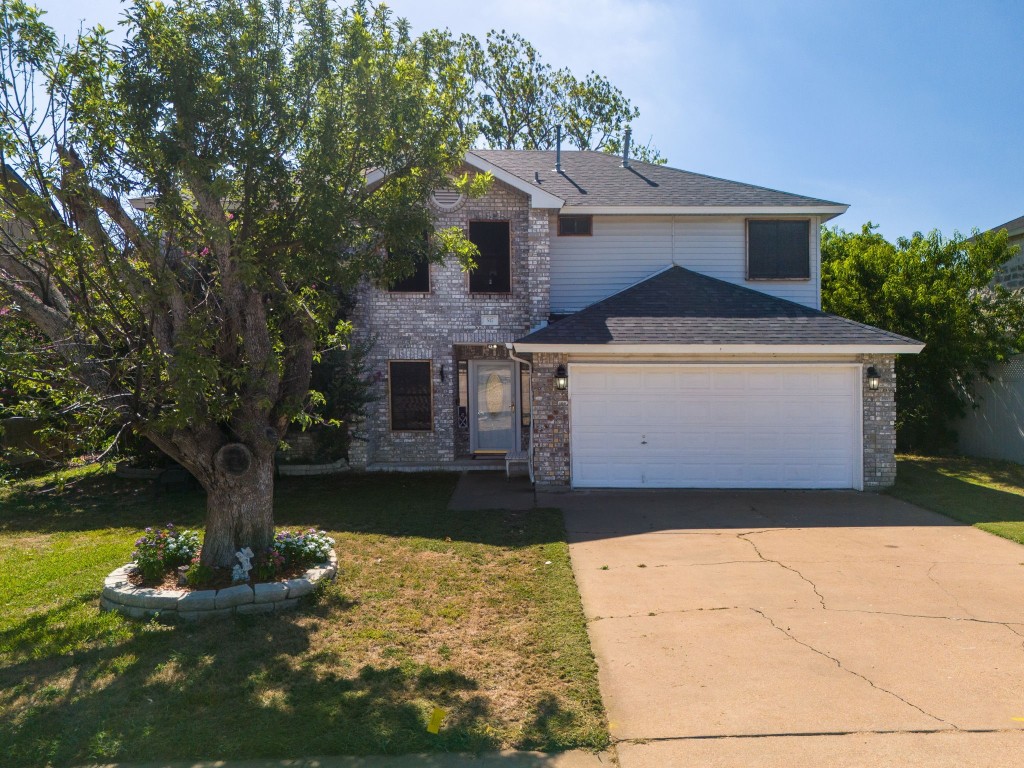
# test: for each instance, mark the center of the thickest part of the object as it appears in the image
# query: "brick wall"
(551, 465)
(427, 326)
(879, 423)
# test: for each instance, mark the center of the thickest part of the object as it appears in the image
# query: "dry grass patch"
(473, 612)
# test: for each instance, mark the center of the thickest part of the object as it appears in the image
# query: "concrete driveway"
(774, 628)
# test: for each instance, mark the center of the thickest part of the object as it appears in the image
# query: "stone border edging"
(120, 595)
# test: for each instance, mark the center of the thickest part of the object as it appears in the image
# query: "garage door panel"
(715, 426)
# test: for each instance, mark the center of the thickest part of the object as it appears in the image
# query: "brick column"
(551, 467)
(879, 423)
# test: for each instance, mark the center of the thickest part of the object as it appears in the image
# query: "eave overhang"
(831, 350)
(539, 198)
(825, 211)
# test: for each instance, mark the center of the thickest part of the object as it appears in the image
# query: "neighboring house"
(628, 325)
(995, 427)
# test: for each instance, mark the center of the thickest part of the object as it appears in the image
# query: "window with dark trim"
(419, 280)
(493, 271)
(410, 393)
(778, 249)
(575, 225)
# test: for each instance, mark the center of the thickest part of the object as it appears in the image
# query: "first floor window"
(778, 249)
(410, 395)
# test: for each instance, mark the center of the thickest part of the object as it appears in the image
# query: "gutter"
(529, 447)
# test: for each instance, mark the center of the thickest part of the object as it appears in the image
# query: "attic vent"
(446, 199)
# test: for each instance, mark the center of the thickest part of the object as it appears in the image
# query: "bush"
(162, 549)
(307, 548)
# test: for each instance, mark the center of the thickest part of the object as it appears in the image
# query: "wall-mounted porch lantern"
(561, 378)
(873, 377)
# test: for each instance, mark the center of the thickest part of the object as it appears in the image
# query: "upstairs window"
(493, 272)
(419, 280)
(410, 394)
(778, 249)
(575, 225)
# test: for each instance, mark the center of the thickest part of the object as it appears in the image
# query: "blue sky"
(910, 112)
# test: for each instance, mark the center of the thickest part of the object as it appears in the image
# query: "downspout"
(529, 447)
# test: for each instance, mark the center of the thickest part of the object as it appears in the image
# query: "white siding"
(627, 249)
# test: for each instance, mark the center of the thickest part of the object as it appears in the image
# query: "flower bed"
(119, 594)
(260, 583)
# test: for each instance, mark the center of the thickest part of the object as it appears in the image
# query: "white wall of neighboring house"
(995, 429)
(624, 250)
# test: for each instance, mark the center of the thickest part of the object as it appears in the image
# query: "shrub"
(307, 548)
(162, 549)
(197, 574)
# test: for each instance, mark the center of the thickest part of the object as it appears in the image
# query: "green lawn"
(984, 493)
(474, 612)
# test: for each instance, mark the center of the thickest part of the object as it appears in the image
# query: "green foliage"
(160, 550)
(512, 99)
(275, 153)
(309, 548)
(197, 574)
(936, 290)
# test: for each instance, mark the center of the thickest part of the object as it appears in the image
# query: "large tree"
(937, 290)
(517, 99)
(275, 153)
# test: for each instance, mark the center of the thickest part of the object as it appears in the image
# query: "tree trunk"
(239, 512)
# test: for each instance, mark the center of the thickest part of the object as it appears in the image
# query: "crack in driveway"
(743, 537)
(839, 664)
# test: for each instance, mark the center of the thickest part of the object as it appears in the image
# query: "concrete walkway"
(799, 629)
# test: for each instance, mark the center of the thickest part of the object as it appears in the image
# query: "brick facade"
(448, 325)
(429, 326)
(551, 467)
(879, 423)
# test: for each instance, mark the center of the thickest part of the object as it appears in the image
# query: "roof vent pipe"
(558, 148)
(625, 148)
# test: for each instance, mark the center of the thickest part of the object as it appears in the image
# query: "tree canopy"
(937, 290)
(184, 210)
(515, 100)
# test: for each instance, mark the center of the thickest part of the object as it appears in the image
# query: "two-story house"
(629, 325)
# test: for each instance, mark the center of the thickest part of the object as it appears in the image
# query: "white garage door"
(724, 426)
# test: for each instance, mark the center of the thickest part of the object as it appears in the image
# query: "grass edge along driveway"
(985, 493)
(473, 612)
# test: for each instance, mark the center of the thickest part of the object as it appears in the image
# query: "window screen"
(778, 250)
(410, 395)
(493, 272)
(575, 225)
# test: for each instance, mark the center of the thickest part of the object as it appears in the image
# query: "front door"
(494, 406)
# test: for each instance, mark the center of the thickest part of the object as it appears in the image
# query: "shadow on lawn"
(386, 504)
(242, 688)
(924, 482)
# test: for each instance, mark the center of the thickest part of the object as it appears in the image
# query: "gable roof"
(596, 182)
(1014, 227)
(678, 310)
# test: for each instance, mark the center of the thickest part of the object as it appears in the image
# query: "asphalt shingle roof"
(598, 179)
(679, 306)
(1011, 226)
